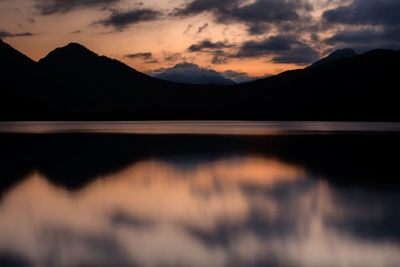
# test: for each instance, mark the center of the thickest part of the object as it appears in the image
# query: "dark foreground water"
(292, 197)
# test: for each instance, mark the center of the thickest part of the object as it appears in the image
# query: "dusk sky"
(234, 37)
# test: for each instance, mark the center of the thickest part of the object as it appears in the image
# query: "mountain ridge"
(335, 56)
(99, 88)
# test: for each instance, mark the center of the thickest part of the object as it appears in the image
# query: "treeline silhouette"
(74, 83)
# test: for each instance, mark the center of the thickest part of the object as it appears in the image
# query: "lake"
(199, 194)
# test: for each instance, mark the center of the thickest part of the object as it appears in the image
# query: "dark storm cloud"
(267, 46)
(199, 6)
(272, 11)
(378, 23)
(366, 39)
(257, 15)
(300, 55)
(49, 7)
(282, 48)
(257, 29)
(366, 12)
(208, 45)
(120, 20)
(354, 37)
(5, 34)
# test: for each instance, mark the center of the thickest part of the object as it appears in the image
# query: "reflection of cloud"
(156, 213)
(169, 246)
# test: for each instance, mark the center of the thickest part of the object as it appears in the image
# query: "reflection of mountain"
(75, 83)
(220, 213)
(73, 160)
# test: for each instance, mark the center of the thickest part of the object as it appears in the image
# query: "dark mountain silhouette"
(19, 77)
(192, 74)
(335, 56)
(363, 87)
(75, 60)
(12, 58)
(74, 83)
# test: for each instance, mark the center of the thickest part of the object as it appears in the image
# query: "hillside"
(74, 83)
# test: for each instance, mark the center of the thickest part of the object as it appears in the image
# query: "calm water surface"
(76, 196)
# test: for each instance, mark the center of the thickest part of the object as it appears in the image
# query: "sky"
(238, 38)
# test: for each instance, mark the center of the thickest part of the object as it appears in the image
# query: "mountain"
(192, 74)
(19, 75)
(74, 83)
(363, 87)
(335, 56)
(84, 82)
(12, 58)
(13, 65)
(78, 61)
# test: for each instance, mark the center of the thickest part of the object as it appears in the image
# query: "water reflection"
(233, 211)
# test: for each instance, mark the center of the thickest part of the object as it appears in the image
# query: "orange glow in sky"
(255, 37)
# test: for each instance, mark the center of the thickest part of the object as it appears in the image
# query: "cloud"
(302, 55)
(271, 11)
(31, 20)
(282, 48)
(216, 49)
(199, 6)
(274, 43)
(216, 60)
(49, 7)
(188, 28)
(257, 29)
(5, 34)
(240, 76)
(237, 76)
(147, 57)
(202, 28)
(374, 24)
(120, 20)
(207, 45)
(257, 15)
(361, 12)
(172, 57)
(366, 39)
(354, 36)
